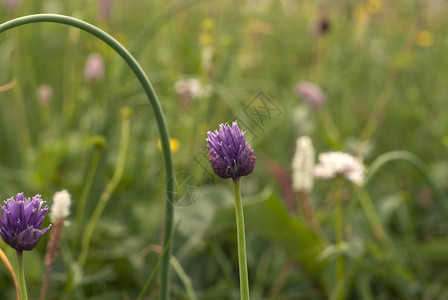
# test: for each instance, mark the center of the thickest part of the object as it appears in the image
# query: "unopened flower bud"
(230, 156)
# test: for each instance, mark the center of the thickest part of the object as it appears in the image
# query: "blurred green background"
(382, 66)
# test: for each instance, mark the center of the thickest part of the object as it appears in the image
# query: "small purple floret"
(230, 154)
(21, 220)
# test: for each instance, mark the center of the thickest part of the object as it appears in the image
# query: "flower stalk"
(5, 260)
(339, 232)
(21, 273)
(241, 238)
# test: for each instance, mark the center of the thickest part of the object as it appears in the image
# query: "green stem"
(21, 273)
(83, 199)
(241, 238)
(372, 216)
(330, 128)
(105, 196)
(339, 228)
(184, 278)
(152, 98)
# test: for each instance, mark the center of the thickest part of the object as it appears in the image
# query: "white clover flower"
(332, 164)
(61, 206)
(302, 165)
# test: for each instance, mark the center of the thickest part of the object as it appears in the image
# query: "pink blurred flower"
(311, 93)
(104, 9)
(11, 5)
(44, 94)
(94, 67)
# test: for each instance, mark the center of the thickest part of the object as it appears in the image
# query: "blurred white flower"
(44, 94)
(332, 164)
(190, 89)
(61, 206)
(302, 165)
(94, 67)
(311, 93)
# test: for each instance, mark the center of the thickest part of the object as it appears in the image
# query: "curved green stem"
(163, 130)
(21, 273)
(416, 162)
(241, 238)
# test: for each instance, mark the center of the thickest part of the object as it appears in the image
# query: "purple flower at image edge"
(230, 155)
(21, 221)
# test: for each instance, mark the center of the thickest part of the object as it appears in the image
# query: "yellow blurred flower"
(424, 38)
(373, 6)
(445, 141)
(175, 144)
(361, 14)
(205, 39)
(208, 24)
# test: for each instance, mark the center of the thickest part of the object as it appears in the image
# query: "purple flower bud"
(94, 67)
(230, 155)
(311, 93)
(44, 94)
(21, 221)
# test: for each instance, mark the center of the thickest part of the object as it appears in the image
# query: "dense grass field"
(73, 116)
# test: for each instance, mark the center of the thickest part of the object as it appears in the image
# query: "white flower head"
(332, 164)
(302, 165)
(61, 206)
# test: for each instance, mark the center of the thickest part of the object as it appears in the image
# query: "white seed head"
(338, 163)
(60, 208)
(302, 165)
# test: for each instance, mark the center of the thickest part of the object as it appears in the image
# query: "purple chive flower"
(21, 221)
(230, 155)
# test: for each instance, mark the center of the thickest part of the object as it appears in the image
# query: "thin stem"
(307, 211)
(372, 216)
(5, 260)
(22, 283)
(184, 278)
(241, 238)
(330, 127)
(152, 98)
(339, 228)
(83, 199)
(105, 196)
